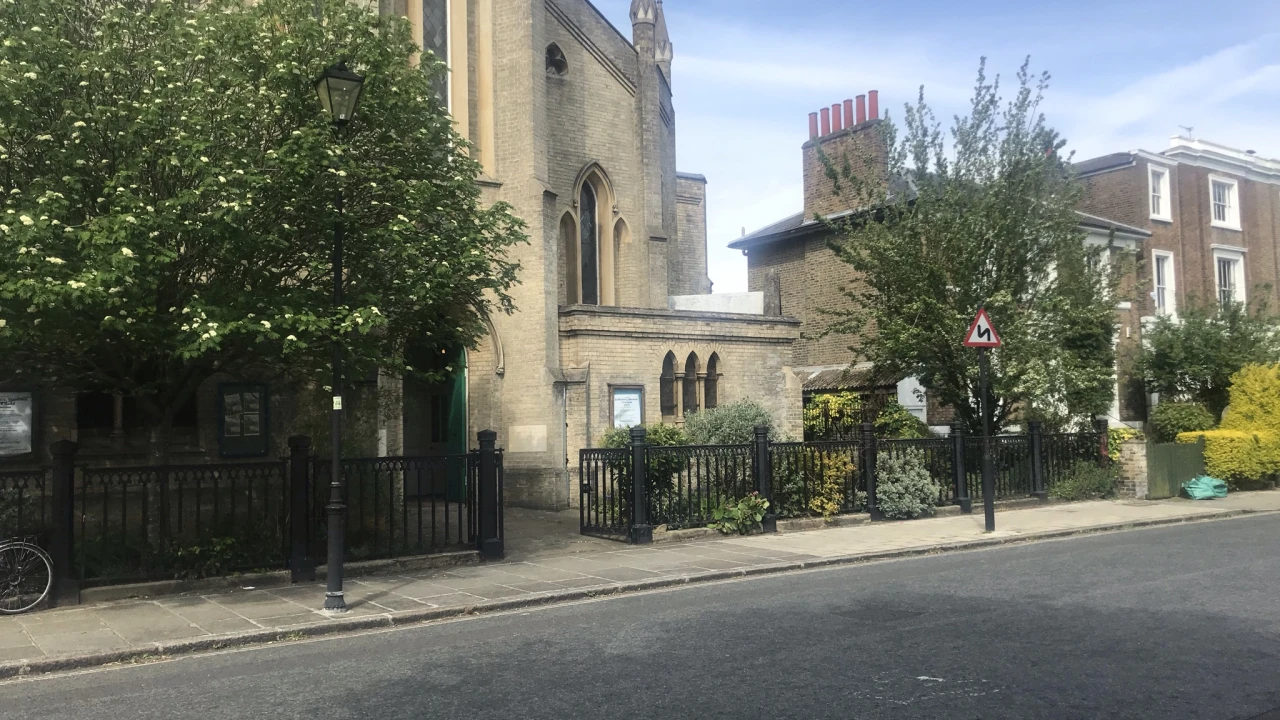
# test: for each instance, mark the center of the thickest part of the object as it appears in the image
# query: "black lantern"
(339, 91)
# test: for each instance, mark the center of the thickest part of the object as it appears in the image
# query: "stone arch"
(711, 383)
(692, 367)
(595, 259)
(557, 64)
(667, 387)
(570, 291)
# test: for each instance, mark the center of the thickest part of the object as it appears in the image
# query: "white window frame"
(1232, 221)
(1170, 307)
(1164, 185)
(1236, 256)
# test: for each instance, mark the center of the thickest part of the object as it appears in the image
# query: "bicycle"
(26, 575)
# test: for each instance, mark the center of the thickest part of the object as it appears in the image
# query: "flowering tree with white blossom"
(167, 185)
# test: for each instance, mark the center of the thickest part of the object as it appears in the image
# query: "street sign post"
(983, 336)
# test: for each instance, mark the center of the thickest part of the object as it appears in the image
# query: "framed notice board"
(244, 427)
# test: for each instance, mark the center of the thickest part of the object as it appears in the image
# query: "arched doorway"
(435, 417)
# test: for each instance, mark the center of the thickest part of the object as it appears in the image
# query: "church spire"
(643, 11)
(662, 50)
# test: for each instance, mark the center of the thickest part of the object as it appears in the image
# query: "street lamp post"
(339, 91)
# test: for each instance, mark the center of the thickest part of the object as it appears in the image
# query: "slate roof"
(847, 378)
(1105, 162)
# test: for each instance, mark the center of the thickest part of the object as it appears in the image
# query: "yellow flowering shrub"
(1235, 455)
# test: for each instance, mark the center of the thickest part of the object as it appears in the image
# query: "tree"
(168, 181)
(991, 223)
(1193, 356)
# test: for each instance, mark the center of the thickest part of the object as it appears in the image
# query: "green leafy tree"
(167, 187)
(987, 219)
(1194, 356)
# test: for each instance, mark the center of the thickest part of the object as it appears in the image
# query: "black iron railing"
(937, 456)
(687, 483)
(817, 478)
(400, 506)
(1062, 452)
(162, 521)
(25, 500)
(683, 485)
(105, 525)
(605, 485)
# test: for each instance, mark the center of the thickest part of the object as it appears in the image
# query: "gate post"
(869, 452)
(959, 476)
(489, 537)
(641, 532)
(1036, 442)
(1104, 444)
(66, 584)
(763, 466)
(302, 567)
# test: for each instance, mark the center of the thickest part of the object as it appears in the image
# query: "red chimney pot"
(862, 109)
(873, 100)
(813, 125)
(848, 113)
(837, 120)
(826, 121)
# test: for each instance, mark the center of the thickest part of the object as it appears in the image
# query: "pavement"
(1168, 622)
(536, 573)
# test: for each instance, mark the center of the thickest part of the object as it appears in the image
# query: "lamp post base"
(335, 602)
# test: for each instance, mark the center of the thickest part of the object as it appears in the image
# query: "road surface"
(1176, 622)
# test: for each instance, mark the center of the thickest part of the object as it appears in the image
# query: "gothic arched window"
(691, 369)
(668, 386)
(435, 37)
(711, 392)
(589, 237)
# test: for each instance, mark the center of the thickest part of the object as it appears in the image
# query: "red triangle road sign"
(982, 334)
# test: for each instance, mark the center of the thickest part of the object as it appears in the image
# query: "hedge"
(1236, 455)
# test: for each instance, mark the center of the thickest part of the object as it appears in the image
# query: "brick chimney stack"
(848, 131)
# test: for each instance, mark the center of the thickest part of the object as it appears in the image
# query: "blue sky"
(1126, 75)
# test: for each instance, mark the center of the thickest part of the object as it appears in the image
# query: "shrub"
(661, 474)
(826, 473)
(1086, 481)
(1117, 436)
(1238, 455)
(904, 488)
(1255, 400)
(895, 421)
(739, 516)
(830, 413)
(1171, 419)
(733, 424)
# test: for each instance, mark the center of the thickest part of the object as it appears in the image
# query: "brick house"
(790, 262)
(1213, 213)
(574, 125)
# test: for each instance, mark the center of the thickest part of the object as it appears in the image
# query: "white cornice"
(1222, 158)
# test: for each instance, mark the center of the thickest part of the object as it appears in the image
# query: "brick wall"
(862, 149)
(607, 347)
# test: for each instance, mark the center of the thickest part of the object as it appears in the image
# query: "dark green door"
(1169, 465)
(435, 426)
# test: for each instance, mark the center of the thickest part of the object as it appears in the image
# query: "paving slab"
(88, 635)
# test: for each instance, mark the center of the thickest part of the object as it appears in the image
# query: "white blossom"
(26, 220)
(290, 338)
(266, 324)
(126, 252)
(55, 260)
(4, 322)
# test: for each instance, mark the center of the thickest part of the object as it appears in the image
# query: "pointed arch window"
(589, 235)
(668, 386)
(711, 385)
(690, 389)
(435, 37)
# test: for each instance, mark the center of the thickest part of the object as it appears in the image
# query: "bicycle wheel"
(26, 575)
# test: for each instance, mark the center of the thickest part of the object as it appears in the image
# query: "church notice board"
(628, 407)
(16, 426)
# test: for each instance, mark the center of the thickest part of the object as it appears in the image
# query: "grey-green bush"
(904, 488)
(1170, 418)
(732, 424)
(1086, 481)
